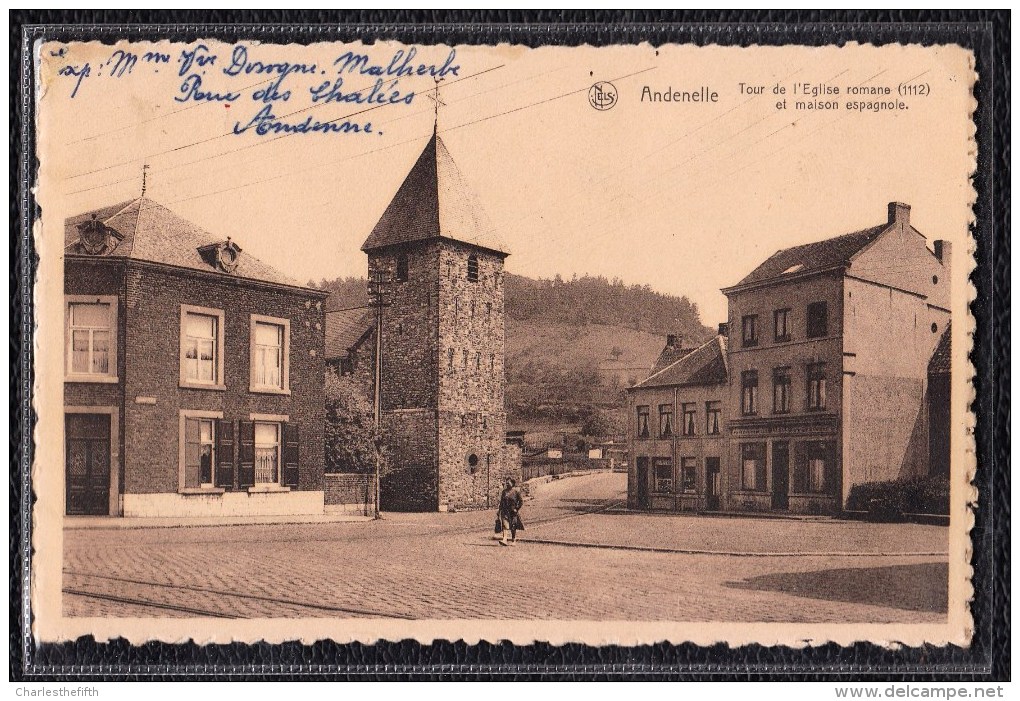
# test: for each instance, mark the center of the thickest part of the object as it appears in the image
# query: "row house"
(835, 376)
(677, 447)
(192, 376)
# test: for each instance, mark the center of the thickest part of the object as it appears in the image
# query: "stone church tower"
(443, 379)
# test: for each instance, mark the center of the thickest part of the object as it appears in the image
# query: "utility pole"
(376, 294)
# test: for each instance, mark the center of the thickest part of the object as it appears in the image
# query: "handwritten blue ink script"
(280, 93)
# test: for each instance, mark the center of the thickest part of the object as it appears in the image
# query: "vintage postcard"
(613, 345)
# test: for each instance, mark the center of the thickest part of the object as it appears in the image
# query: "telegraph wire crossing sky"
(681, 197)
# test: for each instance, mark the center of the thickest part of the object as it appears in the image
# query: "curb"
(114, 523)
(728, 553)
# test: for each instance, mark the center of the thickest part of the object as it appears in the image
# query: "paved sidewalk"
(76, 523)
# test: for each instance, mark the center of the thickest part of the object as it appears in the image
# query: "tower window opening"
(402, 268)
(472, 268)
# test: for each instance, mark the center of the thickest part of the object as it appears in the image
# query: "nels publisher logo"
(602, 96)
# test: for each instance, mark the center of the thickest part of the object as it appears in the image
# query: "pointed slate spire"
(435, 202)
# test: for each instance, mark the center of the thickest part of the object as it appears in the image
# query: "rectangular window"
(665, 421)
(472, 268)
(752, 474)
(689, 475)
(488, 310)
(268, 351)
(91, 338)
(492, 362)
(642, 422)
(267, 453)
(817, 319)
(749, 392)
(782, 318)
(200, 349)
(449, 359)
(813, 468)
(750, 331)
(690, 417)
(663, 475)
(465, 357)
(781, 383)
(816, 386)
(713, 410)
(478, 361)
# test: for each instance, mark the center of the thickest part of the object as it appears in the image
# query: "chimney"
(944, 252)
(724, 329)
(671, 341)
(899, 213)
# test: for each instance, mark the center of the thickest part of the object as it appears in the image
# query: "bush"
(888, 501)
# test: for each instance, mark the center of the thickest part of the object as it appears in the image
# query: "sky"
(686, 197)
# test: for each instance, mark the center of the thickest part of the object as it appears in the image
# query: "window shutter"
(290, 454)
(191, 454)
(224, 454)
(245, 454)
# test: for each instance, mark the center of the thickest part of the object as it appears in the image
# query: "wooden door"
(87, 463)
(781, 475)
(713, 484)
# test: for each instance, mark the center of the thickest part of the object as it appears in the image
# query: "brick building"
(193, 372)
(442, 372)
(834, 378)
(678, 450)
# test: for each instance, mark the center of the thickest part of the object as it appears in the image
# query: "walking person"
(510, 503)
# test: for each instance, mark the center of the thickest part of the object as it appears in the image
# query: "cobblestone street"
(581, 557)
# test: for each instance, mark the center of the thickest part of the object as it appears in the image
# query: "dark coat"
(510, 502)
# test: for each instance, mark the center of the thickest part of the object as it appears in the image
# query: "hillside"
(559, 332)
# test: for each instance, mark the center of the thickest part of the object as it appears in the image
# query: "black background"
(985, 32)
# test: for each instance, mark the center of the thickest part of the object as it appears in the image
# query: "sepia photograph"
(608, 345)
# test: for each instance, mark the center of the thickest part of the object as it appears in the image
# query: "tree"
(596, 423)
(351, 437)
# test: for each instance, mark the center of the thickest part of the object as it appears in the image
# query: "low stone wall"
(350, 493)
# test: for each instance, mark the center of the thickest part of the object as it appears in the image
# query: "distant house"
(678, 449)
(192, 376)
(832, 370)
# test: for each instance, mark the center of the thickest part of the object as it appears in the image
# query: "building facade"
(442, 374)
(193, 373)
(678, 448)
(831, 380)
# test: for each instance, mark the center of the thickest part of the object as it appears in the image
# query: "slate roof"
(668, 356)
(434, 202)
(146, 230)
(811, 257)
(344, 329)
(705, 365)
(941, 358)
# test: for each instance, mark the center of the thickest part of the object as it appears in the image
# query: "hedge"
(890, 500)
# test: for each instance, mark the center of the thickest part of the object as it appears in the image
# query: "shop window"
(663, 475)
(752, 472)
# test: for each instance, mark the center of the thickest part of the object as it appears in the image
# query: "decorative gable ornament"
(95, 237)
(224, 255)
